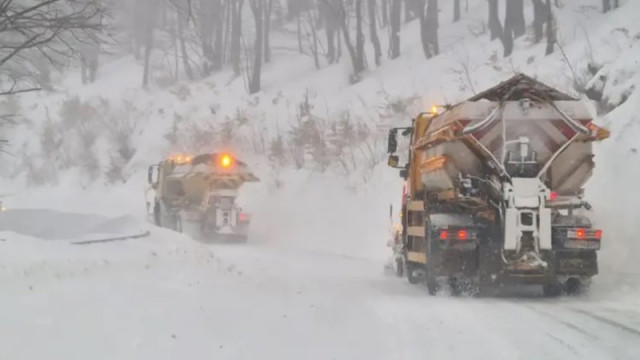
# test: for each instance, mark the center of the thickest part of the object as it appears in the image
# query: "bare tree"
(356, 52)
(495, 28)
(183, 16)
(148, 38)
(539, 18)
(257, 8)
(32, 30)
(268, 9)
(517, 14)
(211, 16)
(394, 31)
(332, 28)
(432, 20)
(384, 20)
(373, 31)
(313, 20)
(429, 27)
(236, 34)
(456, 10)
(551, 30)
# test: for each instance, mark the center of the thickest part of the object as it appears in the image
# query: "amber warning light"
(225, 161)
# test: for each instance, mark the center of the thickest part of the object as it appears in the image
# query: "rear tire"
(574, 286)
(454, 286)
(399, 268)
(432, 285)
(411, 275)
(552, 290)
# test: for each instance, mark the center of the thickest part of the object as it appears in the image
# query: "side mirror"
(392, 141)
(393, 161)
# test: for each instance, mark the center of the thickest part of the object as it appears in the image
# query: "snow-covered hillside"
(309, 283)
(92, 143)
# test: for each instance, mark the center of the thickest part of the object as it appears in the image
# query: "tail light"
(584, 234)
(456, 234)
(243, 216)
(553, 195)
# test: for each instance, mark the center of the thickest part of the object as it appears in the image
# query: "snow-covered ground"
(309, 284)
(167, 296)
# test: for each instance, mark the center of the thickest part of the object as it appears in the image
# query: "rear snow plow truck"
(494, 191)
(198, 194)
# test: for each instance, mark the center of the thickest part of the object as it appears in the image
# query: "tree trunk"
(384, 5)
(606, 6)
(139, 27)
(208, 22)
(357, 57)
(373, 31)
(148, 40)
(331, 25)
(267, 30)
(217, 55)
(432, 24)
(394, 36)
(424, 31)
(515, 17)
(456, 10)
(507, 33)
(551, 31)
(183, 16)
(314, 45)
(495, 28)
(360, 36)
(299, 26)
(539, 18)
(257, 8)
(228, 31)
(236, 34)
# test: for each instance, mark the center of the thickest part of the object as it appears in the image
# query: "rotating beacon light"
(226, 161)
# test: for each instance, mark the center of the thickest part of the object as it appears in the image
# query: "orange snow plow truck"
(197, 195)
(494, 191)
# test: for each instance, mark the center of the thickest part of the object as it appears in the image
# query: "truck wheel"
(157, 216)
(574, 286)
(178, 224)
(413, 279)
(552, 290)
(399, 268)
(432, 285)
(454, 286)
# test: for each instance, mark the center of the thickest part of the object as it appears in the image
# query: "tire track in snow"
(568, 324)
(608, 321)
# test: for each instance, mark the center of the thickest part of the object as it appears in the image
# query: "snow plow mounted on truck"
(199, 193)
(494, 191)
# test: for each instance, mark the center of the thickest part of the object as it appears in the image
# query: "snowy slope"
(166, 297)
(309, 284)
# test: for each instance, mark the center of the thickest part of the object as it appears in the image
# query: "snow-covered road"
(169, 297)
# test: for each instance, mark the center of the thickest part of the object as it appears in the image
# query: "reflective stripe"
(415, 206)
(415, 231)
(417, 257)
